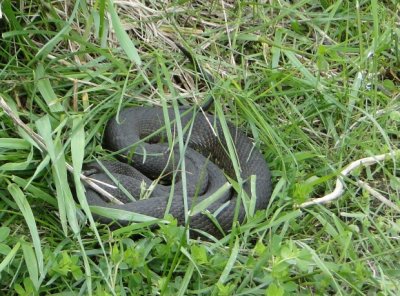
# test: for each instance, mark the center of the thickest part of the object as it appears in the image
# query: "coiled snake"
(206, 161)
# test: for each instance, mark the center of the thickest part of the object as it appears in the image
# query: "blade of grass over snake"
(179, 134)
(233, 156)
(26, 211)
(253, 197)
(204, 204)
(170, 137)
(182, 149)
(117, 214)
(115, 182)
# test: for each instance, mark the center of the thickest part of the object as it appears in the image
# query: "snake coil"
(151, 159)
(206, 161)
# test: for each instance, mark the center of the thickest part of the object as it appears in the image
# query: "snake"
(176, 175)
(207, 163)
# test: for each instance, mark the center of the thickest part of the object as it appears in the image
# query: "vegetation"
(315, 83)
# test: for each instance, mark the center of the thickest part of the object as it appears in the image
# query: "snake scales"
(206, 161)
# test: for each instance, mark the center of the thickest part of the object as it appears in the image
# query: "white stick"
(339, 188)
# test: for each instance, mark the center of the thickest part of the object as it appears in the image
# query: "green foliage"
(314, 82)
(4, 233)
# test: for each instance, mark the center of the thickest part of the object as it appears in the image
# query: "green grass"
(314, 83)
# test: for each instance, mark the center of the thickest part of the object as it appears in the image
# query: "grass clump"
(315, 83)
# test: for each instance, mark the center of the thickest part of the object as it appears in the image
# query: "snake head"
(91, 169)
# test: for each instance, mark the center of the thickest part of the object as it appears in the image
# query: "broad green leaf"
(26, 211)
(46, 90)
(4, 233)
(4, 249)
(276, 51)
(66, 204)
(35, 191)
(9, 258)
(77, 144)
(274, 290)
(31, 264)
(192, 261)
(13, 143)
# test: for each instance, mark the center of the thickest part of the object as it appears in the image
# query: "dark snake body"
(206, 161)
